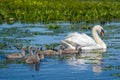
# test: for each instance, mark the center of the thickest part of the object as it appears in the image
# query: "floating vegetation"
(53, 26)
(47, 46)
(111, 67)
(108, 55)
(113, 59)
(3, 64)
(64, 57)
(9, 43)
(15, 32)
(45, 10)
(91, 62)
(117, 67)
(51, 46)
(72, 27)
(3, 45)
(85, 27)
(116, 74)
(11, 37)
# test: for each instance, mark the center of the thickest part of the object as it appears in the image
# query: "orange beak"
(102, 32)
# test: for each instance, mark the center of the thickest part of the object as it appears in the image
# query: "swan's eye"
(102, 32)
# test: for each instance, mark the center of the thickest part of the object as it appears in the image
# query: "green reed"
(59, 10)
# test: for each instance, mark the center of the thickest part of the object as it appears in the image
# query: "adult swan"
(84, 41)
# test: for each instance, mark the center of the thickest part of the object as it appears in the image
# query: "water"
(84, 66)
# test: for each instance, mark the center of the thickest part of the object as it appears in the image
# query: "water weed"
(59, 10)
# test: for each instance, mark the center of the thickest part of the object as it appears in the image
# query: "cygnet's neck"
(37, 57)
(36, 54)
(31, 51)
(23, 52)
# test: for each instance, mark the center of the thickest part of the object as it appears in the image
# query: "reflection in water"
(15, 60)
(97, 68)
(33, 67)
(37, 66)
(85, 58)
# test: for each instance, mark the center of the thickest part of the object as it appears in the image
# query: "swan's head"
(99, 29)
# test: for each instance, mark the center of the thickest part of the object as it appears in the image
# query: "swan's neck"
(97, 39)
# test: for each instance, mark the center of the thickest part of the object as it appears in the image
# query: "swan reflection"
(83, 60)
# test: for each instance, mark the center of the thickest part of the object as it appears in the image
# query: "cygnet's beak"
(102, 32)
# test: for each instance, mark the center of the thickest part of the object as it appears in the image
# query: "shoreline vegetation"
(59, 10)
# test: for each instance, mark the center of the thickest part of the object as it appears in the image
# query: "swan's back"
(81, 39)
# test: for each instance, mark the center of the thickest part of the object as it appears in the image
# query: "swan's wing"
(72, 34)
(68, 44)
(81, 39)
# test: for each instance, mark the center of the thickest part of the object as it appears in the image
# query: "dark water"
(85, 66)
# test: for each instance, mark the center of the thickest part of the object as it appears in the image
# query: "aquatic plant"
(117, 67)
(109, 67)
(85, 27)
(53, 26)
(116, 74)
(11, 37)
(72, 27)
(51, 46)
(57, 10)
(3, 64)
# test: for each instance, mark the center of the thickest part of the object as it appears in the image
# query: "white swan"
(85, 41)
